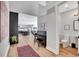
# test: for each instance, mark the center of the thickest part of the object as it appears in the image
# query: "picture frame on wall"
(66, 27)
(43, 26)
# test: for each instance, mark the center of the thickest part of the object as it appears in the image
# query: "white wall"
(4, 47)
(25, 19)
(4, 44)
(51, 32)
(67, 18)
(50, 20)
(41, 20)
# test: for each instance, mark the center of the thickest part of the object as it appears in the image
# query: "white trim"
(7, 51)
(7, 4)
(52, 50)
(4, 47)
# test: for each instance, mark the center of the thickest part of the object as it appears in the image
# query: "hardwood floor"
(28, 40)
(43, 52)
(69, 52)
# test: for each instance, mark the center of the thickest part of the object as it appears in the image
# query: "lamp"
(76, 13)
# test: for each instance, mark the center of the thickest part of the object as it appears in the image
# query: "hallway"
(43, 52)
(29, 26)
(28, 40)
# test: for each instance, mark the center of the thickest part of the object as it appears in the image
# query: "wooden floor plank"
(26, 40)
(43, 52)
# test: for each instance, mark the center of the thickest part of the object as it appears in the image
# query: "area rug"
(26, 51)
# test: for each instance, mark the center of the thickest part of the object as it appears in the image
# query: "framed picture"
(75, 25)
(66, 27)
(43, 26)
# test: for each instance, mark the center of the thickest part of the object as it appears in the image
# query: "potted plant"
(13, 40)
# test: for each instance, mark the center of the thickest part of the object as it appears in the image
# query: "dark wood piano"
(41, 37)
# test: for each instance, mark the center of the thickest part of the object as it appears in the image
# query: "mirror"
(75, 25)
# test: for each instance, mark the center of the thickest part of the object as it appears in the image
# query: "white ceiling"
(39, 8)
(67, 6)
(35, 8)
(27, 7)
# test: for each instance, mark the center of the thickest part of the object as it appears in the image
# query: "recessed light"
(66, 6)
(43, 3)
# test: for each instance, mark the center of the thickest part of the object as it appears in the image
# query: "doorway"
(26, 24)
(68, 38)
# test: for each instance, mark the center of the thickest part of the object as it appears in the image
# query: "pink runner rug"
(26, 51)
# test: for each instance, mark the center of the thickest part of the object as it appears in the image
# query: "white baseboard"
(7, 51)
(50, 49)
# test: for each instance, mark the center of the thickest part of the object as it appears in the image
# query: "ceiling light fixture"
(43, 3)
(77, 12)
(66, 6)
